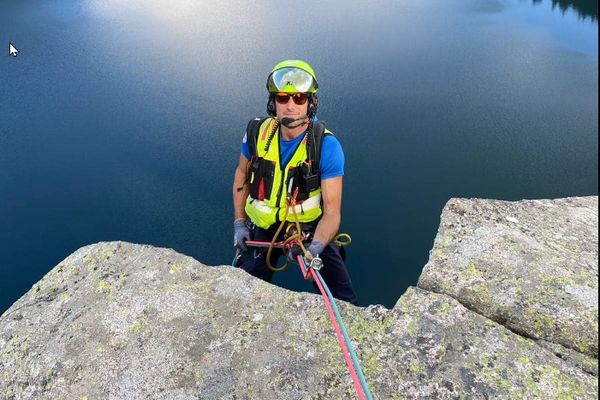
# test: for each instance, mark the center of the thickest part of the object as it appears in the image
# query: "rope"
(360, 383)
(296, 238)
(338, 239)
(285, 264)
(237, 256)
(361, 376)
(350, 357)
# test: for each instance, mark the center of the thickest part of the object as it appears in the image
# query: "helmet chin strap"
(289, 122)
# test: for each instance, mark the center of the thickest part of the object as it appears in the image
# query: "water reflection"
(493, 99)
(584, 8)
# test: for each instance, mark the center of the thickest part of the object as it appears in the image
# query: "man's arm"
(328, 226)
(240, 189)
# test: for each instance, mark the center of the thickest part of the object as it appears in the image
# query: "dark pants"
(334, 270)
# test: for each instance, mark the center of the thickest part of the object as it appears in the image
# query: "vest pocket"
(262, 173)
(302, 183)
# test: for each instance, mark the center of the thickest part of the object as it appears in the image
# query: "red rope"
(308, 273)
(338, 332)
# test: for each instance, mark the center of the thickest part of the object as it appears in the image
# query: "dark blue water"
(123, 120)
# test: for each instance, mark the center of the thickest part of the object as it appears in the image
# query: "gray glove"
(241, 233)
(315, 248)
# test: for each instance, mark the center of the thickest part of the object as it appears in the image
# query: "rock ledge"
(126, 321)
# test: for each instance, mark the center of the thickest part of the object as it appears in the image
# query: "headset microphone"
(287, 122)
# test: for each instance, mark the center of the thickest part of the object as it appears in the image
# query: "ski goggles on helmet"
(299, 98)
(291, 80)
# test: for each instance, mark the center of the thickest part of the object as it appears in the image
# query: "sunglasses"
(299, 98)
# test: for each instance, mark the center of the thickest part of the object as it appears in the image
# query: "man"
(276, 164)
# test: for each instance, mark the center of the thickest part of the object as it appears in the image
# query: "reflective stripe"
(308, 205)
(260, 213)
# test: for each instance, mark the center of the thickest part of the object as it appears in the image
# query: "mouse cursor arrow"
(12, 50)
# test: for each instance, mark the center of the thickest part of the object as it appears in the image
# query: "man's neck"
(289, 134)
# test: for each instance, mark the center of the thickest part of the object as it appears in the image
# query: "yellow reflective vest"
(272, 183)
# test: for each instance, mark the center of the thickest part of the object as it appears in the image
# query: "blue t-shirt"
(332, 155)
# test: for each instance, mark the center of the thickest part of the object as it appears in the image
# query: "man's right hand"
(241, 233)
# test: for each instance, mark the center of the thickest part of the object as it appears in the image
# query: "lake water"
(122, 120)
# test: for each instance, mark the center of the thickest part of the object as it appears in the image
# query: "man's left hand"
(314, 249)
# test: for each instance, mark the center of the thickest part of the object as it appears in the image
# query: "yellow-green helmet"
(292, 76)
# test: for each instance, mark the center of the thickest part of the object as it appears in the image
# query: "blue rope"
(238, 254)
(361, 376)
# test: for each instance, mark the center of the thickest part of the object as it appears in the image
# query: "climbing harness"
(310, 265)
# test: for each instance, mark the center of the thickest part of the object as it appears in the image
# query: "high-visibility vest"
(272, 183)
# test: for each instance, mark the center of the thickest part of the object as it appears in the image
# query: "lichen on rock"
(530, 265)
(119, 320)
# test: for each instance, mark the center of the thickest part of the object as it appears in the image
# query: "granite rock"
(529, 265)
(117, 320)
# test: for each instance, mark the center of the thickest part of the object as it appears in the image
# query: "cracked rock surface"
(117, 320)
(530, 265)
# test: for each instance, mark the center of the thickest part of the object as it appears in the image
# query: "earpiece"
(271, 106)
(313, 105)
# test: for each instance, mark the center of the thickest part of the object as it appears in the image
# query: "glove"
(241, 233)
(314, 249)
